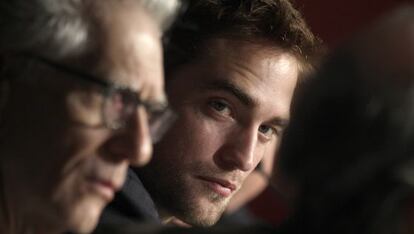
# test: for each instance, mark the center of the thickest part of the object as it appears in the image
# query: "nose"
(133, 142)
(239, 151)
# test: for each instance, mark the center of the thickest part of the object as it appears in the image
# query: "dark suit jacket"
(132, 204)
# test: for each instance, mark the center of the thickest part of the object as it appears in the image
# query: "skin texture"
(254, 184)
(56, 150)
(233, 103)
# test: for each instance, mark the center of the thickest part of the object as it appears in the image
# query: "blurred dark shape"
(136, 228)
(349, 149)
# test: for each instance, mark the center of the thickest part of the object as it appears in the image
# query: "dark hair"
(276, 21)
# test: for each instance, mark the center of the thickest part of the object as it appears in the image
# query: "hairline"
(200, 52)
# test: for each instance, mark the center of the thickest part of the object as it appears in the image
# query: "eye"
(125, 100)
(268, 131)
(220, 106)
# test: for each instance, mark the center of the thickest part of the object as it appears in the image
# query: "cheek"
(79, 208)
(75, 157)
(79, 204)
(193, 136)
(204, 133)
(70, 187)
(75, 149)
(48, 146)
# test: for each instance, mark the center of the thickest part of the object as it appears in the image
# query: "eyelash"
(275, 131)
(214, 104)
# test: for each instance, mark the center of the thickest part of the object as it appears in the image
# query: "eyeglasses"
(120, 102)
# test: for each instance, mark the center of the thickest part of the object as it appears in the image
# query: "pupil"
(219, 106)
(263, 129)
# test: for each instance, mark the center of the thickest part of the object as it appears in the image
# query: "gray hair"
(60, 26)
(164, 11)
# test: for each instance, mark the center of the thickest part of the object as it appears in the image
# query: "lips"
(103, 187)
(221, 186)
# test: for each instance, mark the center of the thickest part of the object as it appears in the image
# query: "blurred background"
(335, 21)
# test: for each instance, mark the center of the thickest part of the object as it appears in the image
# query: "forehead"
(267, 74)
(256, 61)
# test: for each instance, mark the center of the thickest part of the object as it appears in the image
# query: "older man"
(81, 95)
(232, 68)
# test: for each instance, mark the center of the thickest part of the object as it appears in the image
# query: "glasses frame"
(153, 109)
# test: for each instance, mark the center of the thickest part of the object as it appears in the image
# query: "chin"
(201, 220)
(84, 216)
(206, 213)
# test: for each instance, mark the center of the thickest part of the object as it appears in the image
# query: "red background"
(336, 20)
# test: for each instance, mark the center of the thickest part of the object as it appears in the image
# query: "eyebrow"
(278, 121)
(240, 94)
(227, 86)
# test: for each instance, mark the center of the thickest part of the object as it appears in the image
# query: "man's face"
(64, 165)
(233, 102)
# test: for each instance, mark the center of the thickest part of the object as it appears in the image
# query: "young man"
(232, 67)
(81, 87)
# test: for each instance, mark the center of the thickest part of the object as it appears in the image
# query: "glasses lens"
(118, 108)
(120, 105)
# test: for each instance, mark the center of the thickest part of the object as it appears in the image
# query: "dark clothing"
(156, 229)
(132, 204)
(240, 217)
